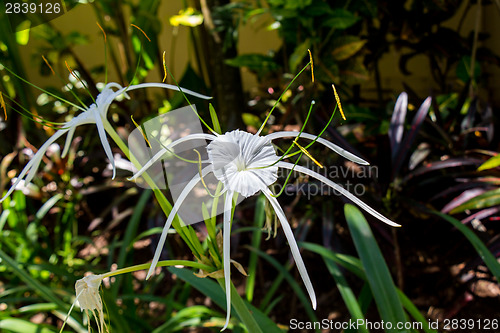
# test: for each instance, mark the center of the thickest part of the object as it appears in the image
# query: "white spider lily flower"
(96, 114)
(246, 164)
(87, 295)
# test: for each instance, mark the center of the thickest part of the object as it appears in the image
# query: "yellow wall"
(254, 38)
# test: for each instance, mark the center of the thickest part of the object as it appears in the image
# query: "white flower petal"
(87, 291)
(189, 186)
(104, 139)
(67, 144)
(339, 188)
(165, 150)
(161, 85)
(228, 205)
(293, 245)
(341, 151)
(242, 161)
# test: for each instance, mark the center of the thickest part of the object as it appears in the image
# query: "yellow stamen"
(164, 67)
(140, 130)
(2, 102)
(338, 101)
(70, 70)
(312, 64)
(141, 31)
(53, 73)
(307, 153)
(103, 32)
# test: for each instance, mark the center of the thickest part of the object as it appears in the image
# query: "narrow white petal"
(189, 186)
(228, 205)
(341, 151)
(162, 152)
(161, 85)
(339, 188)
(293, 245)
(34, 163)
(104, 139)
(69, 138)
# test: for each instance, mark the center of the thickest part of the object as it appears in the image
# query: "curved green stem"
(162, 263)
(162, 200)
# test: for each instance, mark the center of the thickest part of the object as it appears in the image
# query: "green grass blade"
(259, 218)
(350, 263)
(377, 273)
(295, 286)
(488, 258)
(42, 290)
(215, 119)
(211, 289)
(23, 326)
(345, 291)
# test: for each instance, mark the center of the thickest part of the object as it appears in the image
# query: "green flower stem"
(162, 263)
(239, 305)
(162, 200)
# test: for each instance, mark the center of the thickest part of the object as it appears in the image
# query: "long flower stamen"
(47, 63)
(141, 31)
(2, 102)
(200, 171)
(307, 153)
(79, 79)
(337, 98)
(105, 54)
(103, 32)
(164, 68)
(312, 64)
(140, 130)
(279, 99)
(341, 190)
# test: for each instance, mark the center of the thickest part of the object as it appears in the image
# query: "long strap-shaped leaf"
(377, 273)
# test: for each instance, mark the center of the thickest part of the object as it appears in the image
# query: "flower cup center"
(243, 162)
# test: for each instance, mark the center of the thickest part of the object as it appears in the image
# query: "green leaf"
(214, 291)
(345, 291)
(377, 273)
(488, 258)
(23, 326)
(251, 120)
(23, 32)
(215, 119)
(340, 19)
(487, 199)
(347, 46)
(44, 291)
(490, 164)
